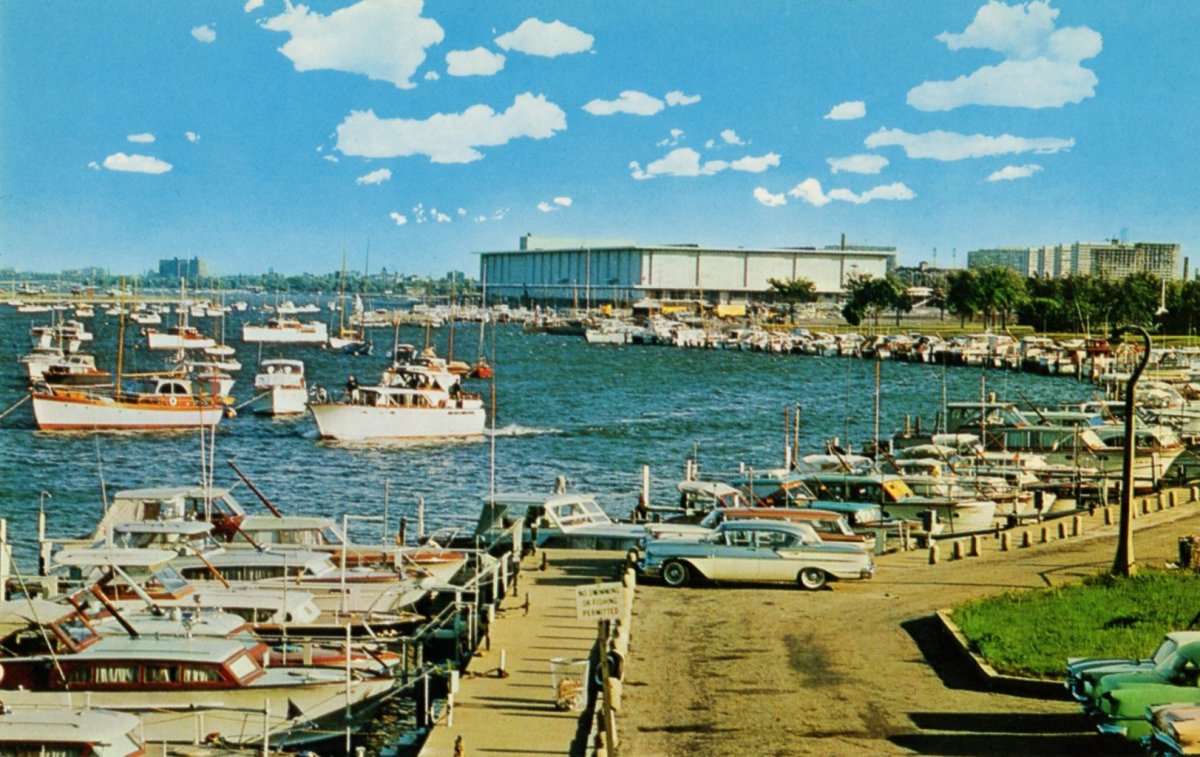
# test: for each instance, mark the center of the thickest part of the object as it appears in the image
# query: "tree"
(793, 291)
(962, 294)
(901, 300)
(1000, 290)
(867, 295)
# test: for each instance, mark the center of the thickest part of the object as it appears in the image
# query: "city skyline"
(263, 135)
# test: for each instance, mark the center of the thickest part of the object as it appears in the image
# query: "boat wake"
(515, 429)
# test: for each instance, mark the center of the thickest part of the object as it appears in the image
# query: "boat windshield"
(170, 579)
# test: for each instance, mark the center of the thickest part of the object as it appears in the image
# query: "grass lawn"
(1032, 633)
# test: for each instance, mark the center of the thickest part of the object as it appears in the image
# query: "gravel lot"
(860, 668)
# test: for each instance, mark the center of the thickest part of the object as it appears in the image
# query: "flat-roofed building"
(583, 271)
(1113, 259)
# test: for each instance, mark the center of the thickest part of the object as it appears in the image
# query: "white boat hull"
(288, 400)
(346, 422)
(157, 340)
(309, 333)
(66, 413)
(962, 517)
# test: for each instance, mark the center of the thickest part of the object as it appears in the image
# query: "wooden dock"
(517, 713)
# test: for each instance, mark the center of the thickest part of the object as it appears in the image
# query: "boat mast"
(450, 316)
(120, 340)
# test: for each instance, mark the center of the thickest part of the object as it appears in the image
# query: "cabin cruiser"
(937, 515)
(283, 381)
(64, 730)
(285, 331)
(163, 402)
(180, 337)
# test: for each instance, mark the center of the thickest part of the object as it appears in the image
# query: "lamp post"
(1123, 562)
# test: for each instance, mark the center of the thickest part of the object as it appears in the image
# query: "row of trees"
(999, 296)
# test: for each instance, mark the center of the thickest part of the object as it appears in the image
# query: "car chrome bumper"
(1110, 728)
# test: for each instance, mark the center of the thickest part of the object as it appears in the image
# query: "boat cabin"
(68, 732)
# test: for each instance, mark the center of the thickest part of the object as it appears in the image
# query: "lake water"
(594, 414)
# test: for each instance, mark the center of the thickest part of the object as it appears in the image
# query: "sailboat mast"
(120, 340)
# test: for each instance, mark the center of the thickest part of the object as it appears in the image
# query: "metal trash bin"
(1189, 552)
(568, 676)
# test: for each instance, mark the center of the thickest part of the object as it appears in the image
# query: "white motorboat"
(393, 412)
(37, 362)
(284, 381)
(169, 403)
(55, 730)
(182, 337)
(285, 331)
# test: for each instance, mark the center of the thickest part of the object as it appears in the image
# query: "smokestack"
(843, 241)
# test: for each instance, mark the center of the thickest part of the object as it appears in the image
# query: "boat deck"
(517, 714)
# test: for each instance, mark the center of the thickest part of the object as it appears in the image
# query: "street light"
(1123, 562)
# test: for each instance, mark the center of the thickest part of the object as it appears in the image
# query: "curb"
(1036, 688)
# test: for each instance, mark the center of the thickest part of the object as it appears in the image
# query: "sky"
(265, 135)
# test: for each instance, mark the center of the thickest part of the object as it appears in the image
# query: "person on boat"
(352, 389)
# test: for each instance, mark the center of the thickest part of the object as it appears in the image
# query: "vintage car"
(830, 526)
(1084, 672)
(1119, 701)
(1175, 730)
(755, 550)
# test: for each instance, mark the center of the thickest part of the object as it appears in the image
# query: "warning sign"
(598, 601)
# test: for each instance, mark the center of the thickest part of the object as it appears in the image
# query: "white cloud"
(676, 135)
(566, 202)
(1041, 67)
(1009, 173)
(751, 164)
(630, 101)
(809, 191)
(768, 199)
(546, 207)
(847, 111)
(477, 62)
(710, 144)
(678, 98)
(205, 34)
(432, 76)
(535, 37)
(948, 145)
(398, 218)
(462, 212)
(375, 177)
(685, 161)
(449, 137)
(896, 191)
(730, 137)
(94, 165)
(119, 161)
(557, 204)
(380, 39)
(192, 136)
(252, 5)
(331, 158)
(141, 138)
(869, 164)
(439, 216)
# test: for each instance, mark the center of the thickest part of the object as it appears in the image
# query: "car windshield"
(1179, 668)
(1165, 650)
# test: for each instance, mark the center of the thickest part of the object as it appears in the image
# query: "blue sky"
(265, 135)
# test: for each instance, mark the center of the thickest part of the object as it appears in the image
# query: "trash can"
(1187, 551)
(568, 676)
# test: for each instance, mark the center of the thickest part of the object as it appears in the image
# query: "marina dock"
(535, 624)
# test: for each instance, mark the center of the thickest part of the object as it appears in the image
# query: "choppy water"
(594, 414)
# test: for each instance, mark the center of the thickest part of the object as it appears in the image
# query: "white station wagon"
(755, 550)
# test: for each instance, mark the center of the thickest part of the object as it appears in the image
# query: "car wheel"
(811, 578)
(675, 573)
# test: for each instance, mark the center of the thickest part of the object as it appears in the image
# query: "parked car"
(1084, 672)
(1119, 700)
(1174, 730)
(755, 550)
(830, 526)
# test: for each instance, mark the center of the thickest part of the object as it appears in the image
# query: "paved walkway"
(517, 715)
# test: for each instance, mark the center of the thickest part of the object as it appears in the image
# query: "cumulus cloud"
(398, 218)
(810, 191)
(632, 102)
(432, 76)
(449, 137)
(380, 39)
(192, 136)
(869, 164)
(119, 161)
(1042, 66)
(752, 164)
(375, 177)
(331, 158)
(141, 138)
(252, 5)
(205, 34)
(558, 204)
(847, 111)
(730, 137)
(678, 98)
(536, 37)
(676, 135)
(948, 145)
(685, 161)
(477, 62)
(1009, 173)
(768, 199)
(94, 165)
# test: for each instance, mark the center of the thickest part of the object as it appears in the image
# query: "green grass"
(1032, 633)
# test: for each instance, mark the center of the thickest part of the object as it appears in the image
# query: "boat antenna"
(120, 340)
(492, 440)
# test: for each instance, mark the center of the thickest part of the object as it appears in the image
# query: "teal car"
(1119, 701)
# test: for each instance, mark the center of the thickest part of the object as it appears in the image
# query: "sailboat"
(352, 338)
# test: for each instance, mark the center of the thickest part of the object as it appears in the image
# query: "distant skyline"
(259, 134)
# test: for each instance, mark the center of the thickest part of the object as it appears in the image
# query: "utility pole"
(1123, 562)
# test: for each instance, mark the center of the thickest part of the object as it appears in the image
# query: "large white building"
(547, 269)
(1110, 260)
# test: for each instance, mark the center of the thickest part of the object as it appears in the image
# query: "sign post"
(602, 603)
